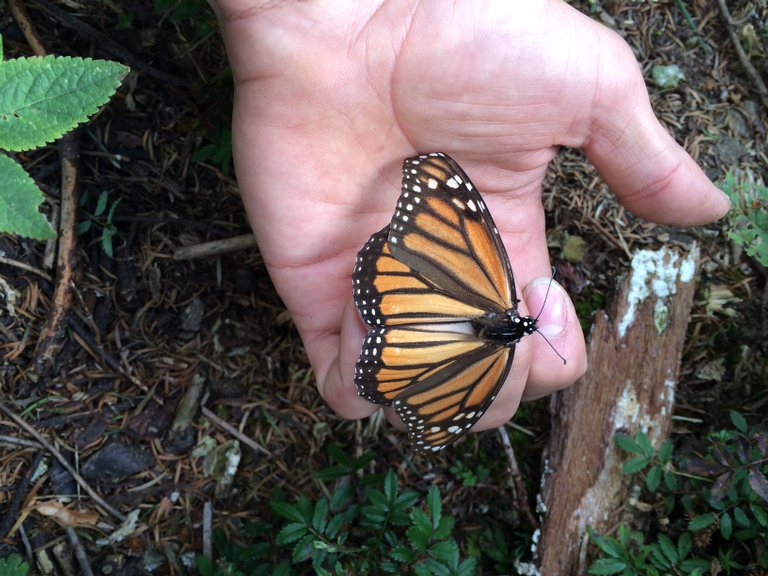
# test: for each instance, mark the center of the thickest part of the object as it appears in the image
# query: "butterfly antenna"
(542, 310)
(546, 295)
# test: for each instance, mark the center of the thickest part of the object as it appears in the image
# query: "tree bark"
(634, 359)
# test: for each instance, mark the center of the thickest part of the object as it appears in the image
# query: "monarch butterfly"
(436, 289)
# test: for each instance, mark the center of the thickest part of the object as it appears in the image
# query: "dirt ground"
(148, 331)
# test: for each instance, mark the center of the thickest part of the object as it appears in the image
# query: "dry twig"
(753, 74)
(234, 431)
(52, 334)
(518, 485)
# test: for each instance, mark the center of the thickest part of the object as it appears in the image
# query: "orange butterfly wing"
(420, 283)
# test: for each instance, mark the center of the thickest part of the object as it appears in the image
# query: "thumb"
(649, 172)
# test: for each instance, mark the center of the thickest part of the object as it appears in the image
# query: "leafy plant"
(749, 216)
(104, 221)
(712, 507)
(41, 99)
(469, 476)
(358, 529)
(13, 565)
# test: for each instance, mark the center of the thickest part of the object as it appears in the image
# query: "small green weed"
(370, 527)
(469, 476)
(102, 218)
(712, 507)
(748, 216)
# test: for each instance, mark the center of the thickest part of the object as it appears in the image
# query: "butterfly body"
(436, 289)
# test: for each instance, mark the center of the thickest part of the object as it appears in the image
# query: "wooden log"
(634, 359)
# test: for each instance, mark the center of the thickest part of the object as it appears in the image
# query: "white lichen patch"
(654, 274)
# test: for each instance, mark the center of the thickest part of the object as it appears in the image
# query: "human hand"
(331, 96)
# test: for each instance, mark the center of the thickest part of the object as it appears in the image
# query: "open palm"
(331, 96)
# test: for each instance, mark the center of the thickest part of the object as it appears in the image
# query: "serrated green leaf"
(645, 444)
(14, 565)
(287, 511)
(607, 566)
(290, 533)
(19, 201)
(320, 515)
(402, 554)
(43, 98)
(634, 465)
(668, 548)
(390, 486)
(670, 480)
(726, 526)
(702, 521)
(303, 549)
(101, 203)
(444, 529)
(627, 444)
(665, 452)
(446, 552)
(684, 545)
(434, 506)
(653, 479)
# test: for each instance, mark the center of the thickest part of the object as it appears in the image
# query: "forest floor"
(148, 331)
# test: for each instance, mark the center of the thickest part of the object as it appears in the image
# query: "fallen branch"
(634, 361)
(52, 334)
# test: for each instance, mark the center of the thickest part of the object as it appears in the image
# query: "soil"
(160, 354)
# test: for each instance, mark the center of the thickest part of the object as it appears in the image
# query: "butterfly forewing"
(443, 231)
(424, 284)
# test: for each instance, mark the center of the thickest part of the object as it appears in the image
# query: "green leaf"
(634, 465)
(390, 486)
(741, 518)
(627, 444)
(726, 526)
(665, 452)
(738, 421)
(760, 515)
(101, 203)
(204, 566)
(420, 532)
(645, 444)
(303, 549)
(434, 505)
(446, 551)
(320, 515)
(43, 98)
(606, 566)
(19, 201)
(402, 554)
(287, 511)
(653, 479)
(444, 529)
(670, 480)
(684, 545)
(702, 521)
(291, 532)
(14, 565)
(668, 548)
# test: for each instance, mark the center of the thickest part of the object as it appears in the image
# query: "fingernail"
(551, 308)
